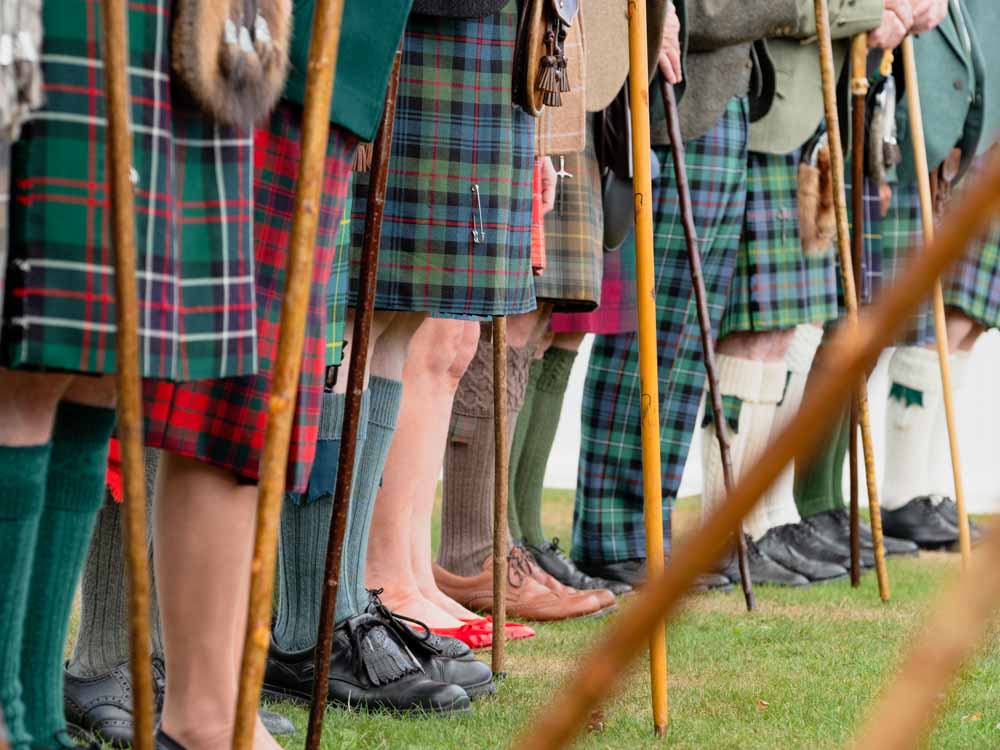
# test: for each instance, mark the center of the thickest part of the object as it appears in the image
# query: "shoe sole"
(78, 732)
(283, 694)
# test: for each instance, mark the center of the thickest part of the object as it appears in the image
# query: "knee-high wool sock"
(756, 387)
(74, 491)
(22, 496)
(941, 479)
(383, 414)
(102, 639)
(528, 485)
(914, 397)
(517, 449)
(467, 513)
(777, 506)
(305, 529)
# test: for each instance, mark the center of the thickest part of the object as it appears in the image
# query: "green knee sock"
(819, 486)
(530, 480)
(517, 448)
(305, 529)
(383, 413)
(74, 491)
(22, 495)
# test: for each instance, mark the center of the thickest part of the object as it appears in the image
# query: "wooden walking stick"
(648, 360)
(701, 301)
(368, 276)
(288, 361)
(854, 349)
(940, 322)
(829, 77)
(129, 381)
(501, 487)
(859, 92)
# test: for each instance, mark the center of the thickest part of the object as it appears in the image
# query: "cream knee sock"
(941, 479)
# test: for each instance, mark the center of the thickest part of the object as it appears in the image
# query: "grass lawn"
(799, 673)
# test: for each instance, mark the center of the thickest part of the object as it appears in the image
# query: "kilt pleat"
(776, 286)
(618, 310)
(222, 422)
(574, 229)
(608, 517)
(193, 191)
(974, 286)
(456, 234)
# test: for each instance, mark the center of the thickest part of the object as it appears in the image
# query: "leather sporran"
(540, 65)
(233, 55)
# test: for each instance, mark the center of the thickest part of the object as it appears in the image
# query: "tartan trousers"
(608, 518)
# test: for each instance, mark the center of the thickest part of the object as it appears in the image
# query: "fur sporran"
(233, 55)
(540, 66)
(817, 218)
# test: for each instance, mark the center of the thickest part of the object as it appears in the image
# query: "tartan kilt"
(608, 517)
(574, 231)
(337, 289)
(777, 286)
(222, 422)
(974, 285)
(194, 223)
(456, 233)
(618, 311)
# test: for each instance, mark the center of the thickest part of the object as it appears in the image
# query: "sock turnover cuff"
(331, 417)
(915, 367)
(774, 378)
(802, 350)
(20, 467)
(384, 395)
(81, 423)
(740, 378)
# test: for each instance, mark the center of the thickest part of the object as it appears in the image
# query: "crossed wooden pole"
(906, 711)
(129, 380)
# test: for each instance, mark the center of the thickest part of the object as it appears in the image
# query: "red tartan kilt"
(222, 422)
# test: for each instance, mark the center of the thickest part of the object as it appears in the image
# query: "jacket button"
(959, 85)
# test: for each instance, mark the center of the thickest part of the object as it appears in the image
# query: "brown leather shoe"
(527, 599)
(604, 597)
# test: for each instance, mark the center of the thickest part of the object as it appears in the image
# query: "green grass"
(799, 673)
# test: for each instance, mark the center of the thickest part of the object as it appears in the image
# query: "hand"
(670, 47)
(549, 180)
(897, 20)
(927, 14)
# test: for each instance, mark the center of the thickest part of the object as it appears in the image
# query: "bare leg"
(28, 403)
(203, 528)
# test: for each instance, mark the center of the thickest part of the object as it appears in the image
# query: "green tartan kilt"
(574, 248)
(194, 215)
(974, 286)
(776, 285)
(456, 230)
(338, 287)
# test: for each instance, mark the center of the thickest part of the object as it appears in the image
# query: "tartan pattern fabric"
(4, 215)
(222, 422)
(974, 286)
(618, 311)
(608, 518)
(193, 192)
(574, 231)
(776, 286)
(870, 274)
(456, 235)
(336, 290)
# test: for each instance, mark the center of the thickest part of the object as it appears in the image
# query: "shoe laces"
(520, 566)
(395, 618)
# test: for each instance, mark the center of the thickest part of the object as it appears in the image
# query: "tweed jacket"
(718, 62)
(985, 29)
(797, 108)
(952, 78)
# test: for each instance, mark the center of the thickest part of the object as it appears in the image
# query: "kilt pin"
(608, 518)
(222, 422)
(194, 236)
(776, 286)
(456, 232)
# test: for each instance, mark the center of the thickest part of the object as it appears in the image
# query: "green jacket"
(369, 36)
(984, 26)
(952, 78)
(797, 109)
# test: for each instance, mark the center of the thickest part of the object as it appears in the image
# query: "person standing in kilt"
(57, 344)
(455, 245)
(783, 291)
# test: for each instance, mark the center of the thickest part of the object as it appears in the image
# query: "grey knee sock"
(305, 528)
(383, 412)
(102, 639)
(467, 514)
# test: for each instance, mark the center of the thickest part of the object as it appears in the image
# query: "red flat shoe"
(472, 635)
(515, 631)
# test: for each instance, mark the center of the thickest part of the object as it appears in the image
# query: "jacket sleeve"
(714, 24)
(847, 18)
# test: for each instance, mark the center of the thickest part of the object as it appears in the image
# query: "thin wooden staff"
(829, 76)
(500, 496)
(288, 361)
(940, 321)
(961, 619)
(368, 276)
(648, 359)
(704, 321)
(853, 350)
(130, 428)
(859, 92)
